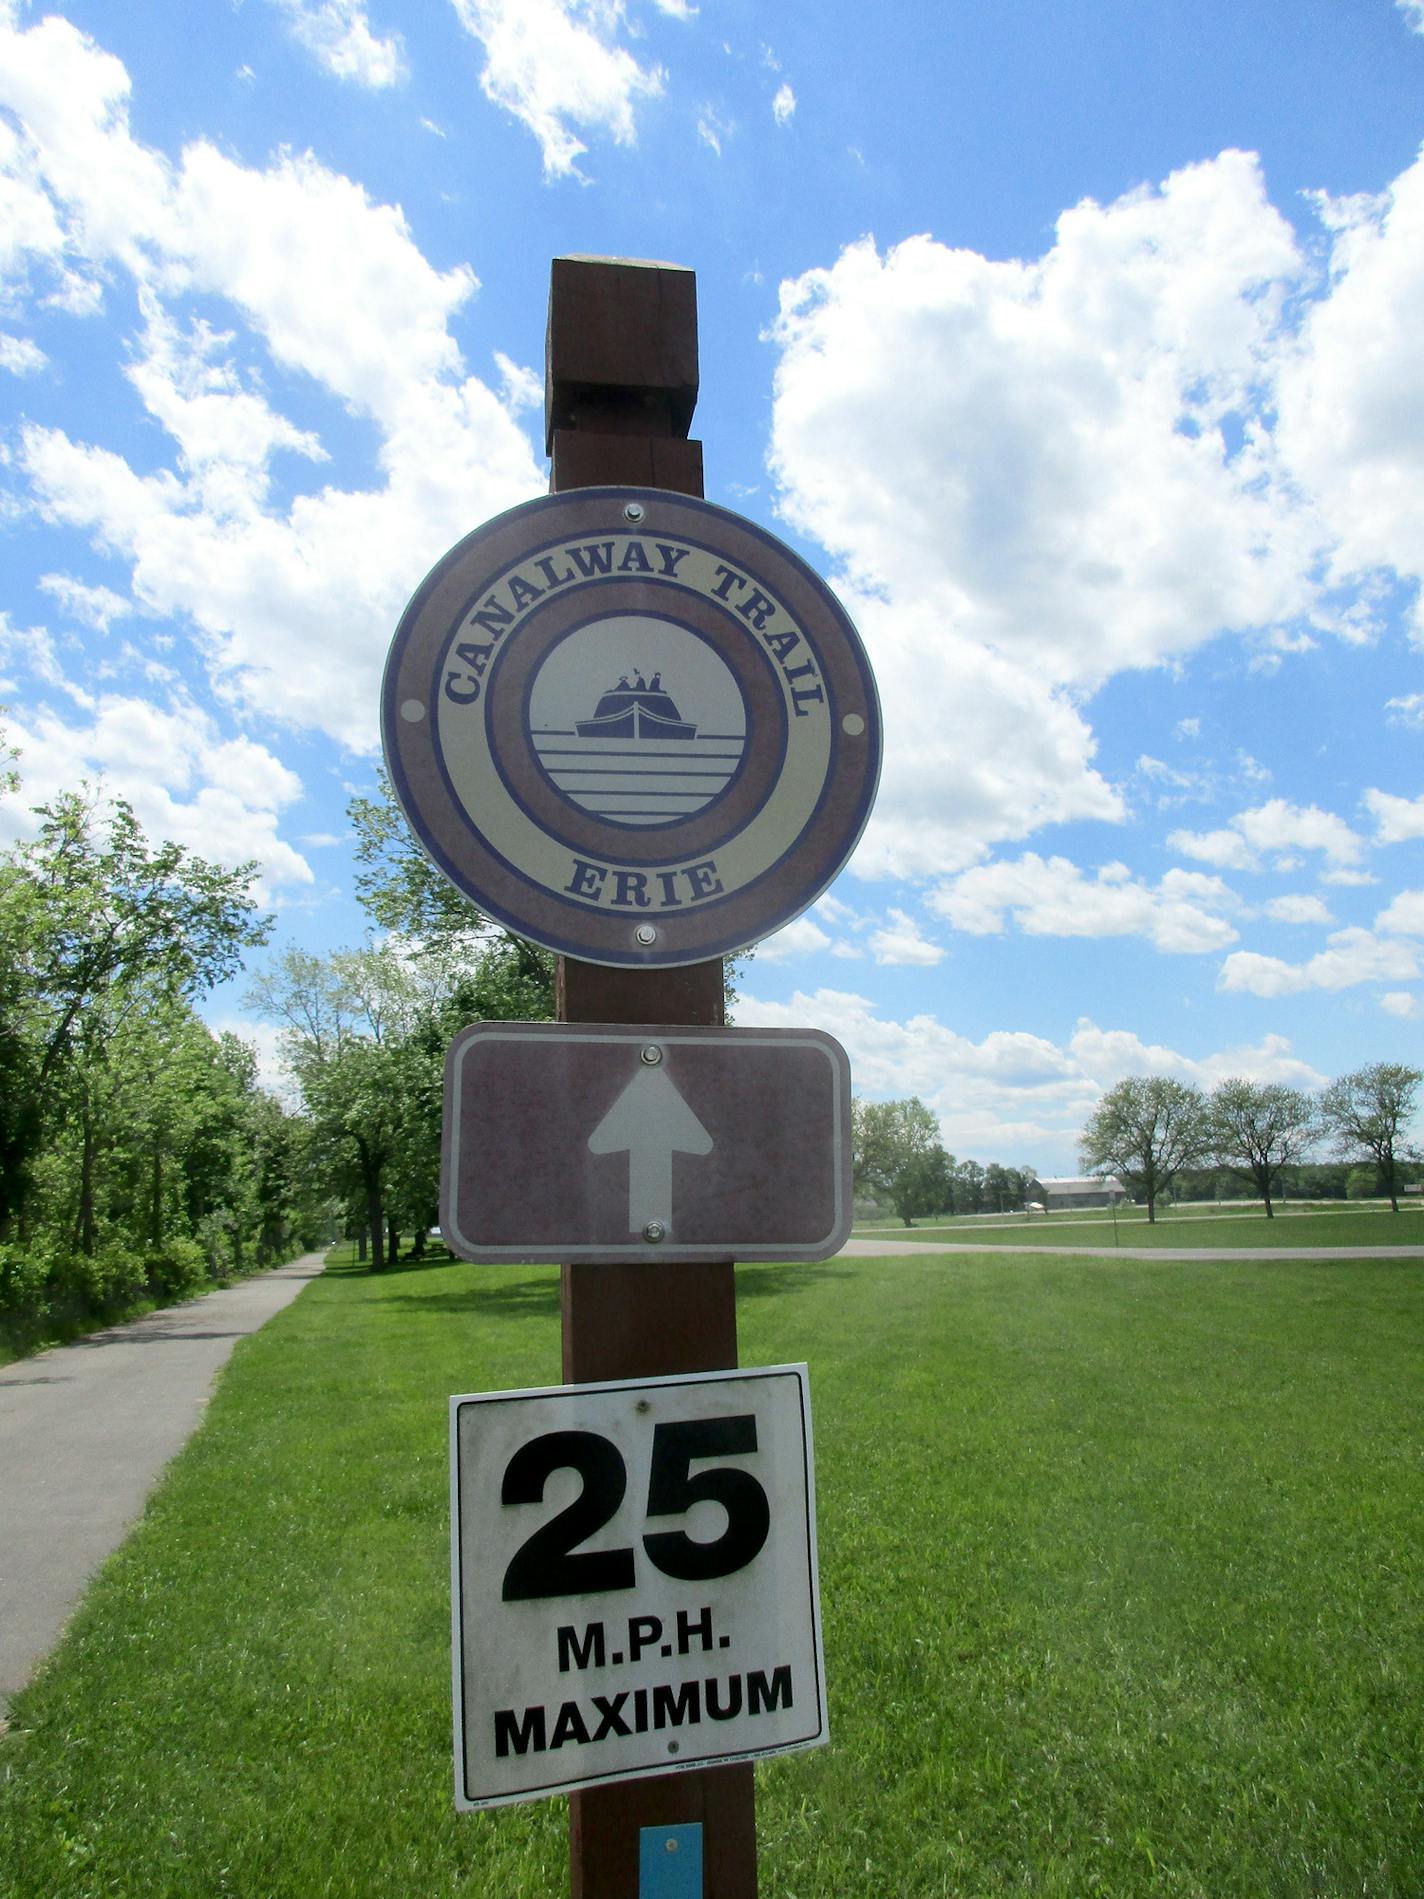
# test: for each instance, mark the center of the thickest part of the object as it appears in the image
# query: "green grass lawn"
(1120, 1565)
(1200, 1227)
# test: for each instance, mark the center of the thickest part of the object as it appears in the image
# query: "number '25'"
(549, 1563)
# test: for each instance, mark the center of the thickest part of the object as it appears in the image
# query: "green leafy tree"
(345, 1019)
(1260, 1128)
(894, 1147)
(1147, 1128)
(968, 1187)
(96, 927)
(1367, 1115)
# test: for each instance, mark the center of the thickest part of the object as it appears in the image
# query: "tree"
(968, 1187)
(1258, 1128)
(97, 927)
(347, 1025)
(896, 1153)
(1366, 1114)
(1147, 1127)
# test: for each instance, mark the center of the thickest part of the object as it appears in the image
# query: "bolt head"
(651, 1055)
(645, 934)
(634, 512)
(654, 1231)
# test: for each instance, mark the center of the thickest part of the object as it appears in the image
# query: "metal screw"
(645, 933)
(634, 512)
(654, 1231)
(652, 1055)
(672, 1747)
(670, 1846)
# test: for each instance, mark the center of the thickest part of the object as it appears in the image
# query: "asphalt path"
(85, 1431)
(892, 1249)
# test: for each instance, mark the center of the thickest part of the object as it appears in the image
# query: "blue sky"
(1078, 347)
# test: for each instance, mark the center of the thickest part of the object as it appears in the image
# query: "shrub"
(174, 1269)
(22, 1289)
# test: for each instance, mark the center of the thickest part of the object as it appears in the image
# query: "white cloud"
(1413, 11)
(221, 797)
(521, 388)
(21, 357)
(1012, 1097)
(900, 942)
(1110, 1055)
(1021, 471)
(1228, 850)
(338, 35)
(1277, 829)
(1053, 897)
(1397, 820)
(783, 106)
(1298, 909)
(1354, 956)
(1409, 708)
(713, 127)
(1034, 474)
(1090, 516)
(972, 756)
(1401, 1003)
(1351, 390)
(801, 937)
(554, 65)
(98, 607)
(1404, 914)
(335, 287)
(1281, 826)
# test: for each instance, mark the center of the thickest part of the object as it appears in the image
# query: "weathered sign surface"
(571, 1141)
(634, 1580)
(631, 726)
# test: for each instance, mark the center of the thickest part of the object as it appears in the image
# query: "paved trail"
(86, 1429)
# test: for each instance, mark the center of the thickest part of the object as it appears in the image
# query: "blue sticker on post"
(631, 726)
(670, 1862)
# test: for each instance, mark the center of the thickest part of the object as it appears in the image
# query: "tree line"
(1160, 1136)
(1153, 1130)
(138, 1156)
(897, 1159)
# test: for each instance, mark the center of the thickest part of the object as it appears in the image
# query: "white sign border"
(664, 1381)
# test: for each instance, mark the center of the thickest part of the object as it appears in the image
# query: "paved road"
(86, 1429)
(870, 1249)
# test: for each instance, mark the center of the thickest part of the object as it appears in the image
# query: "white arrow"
(650, 1122)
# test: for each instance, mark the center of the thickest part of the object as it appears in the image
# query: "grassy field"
(1235, 1227)
(1121, 1573)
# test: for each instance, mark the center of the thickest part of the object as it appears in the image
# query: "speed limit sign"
(633, 1580)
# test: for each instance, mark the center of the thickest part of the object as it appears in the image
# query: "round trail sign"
(631, 726)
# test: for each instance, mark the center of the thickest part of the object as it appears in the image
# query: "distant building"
(1061, 1196)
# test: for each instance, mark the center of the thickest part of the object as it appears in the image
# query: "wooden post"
(620, 388)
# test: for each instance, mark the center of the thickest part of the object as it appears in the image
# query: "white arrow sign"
(650, 1122)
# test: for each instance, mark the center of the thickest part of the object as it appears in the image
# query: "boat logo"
(614, 741)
